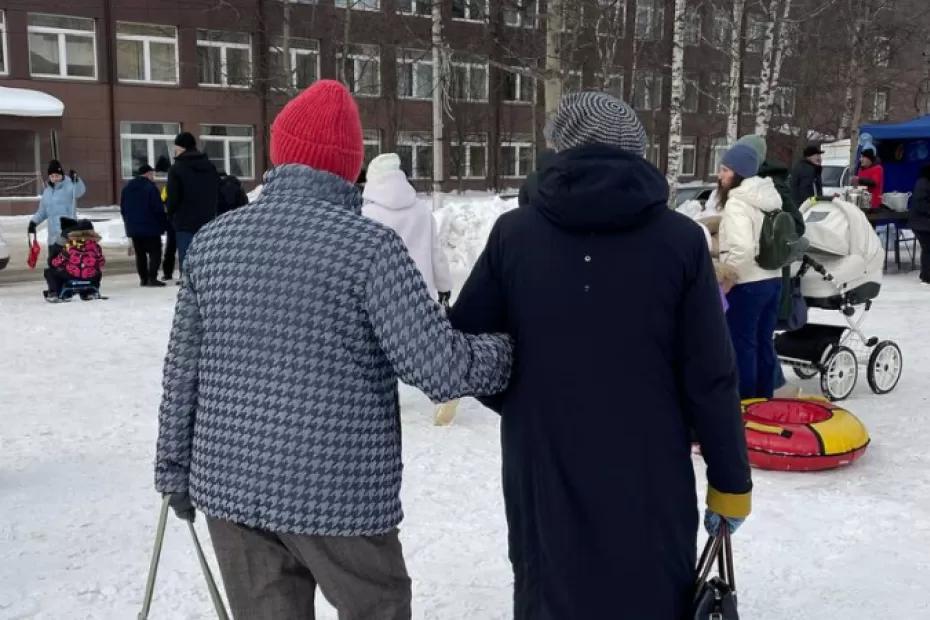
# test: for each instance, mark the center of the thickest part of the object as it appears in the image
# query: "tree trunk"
(780, 38)
(553, 82)
(678, 87)
(736, 70)
(346, 37)
(765, 79)
(286, 47)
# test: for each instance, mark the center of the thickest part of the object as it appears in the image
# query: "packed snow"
(25, 102)
(80, 386)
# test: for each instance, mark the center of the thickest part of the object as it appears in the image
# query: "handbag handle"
(719, 550)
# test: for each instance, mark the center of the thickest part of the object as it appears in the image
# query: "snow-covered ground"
(79, 391)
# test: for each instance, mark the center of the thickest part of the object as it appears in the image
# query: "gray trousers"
(271, 576)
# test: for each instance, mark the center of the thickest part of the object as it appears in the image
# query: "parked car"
(694, 191)
(835, 176)
(4, 252)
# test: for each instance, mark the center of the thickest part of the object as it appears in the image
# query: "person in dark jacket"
(232, 196)
(621, 350)
(280, 419)
(145, 221)
(193, 192)
(919, 220)
(532, 181)
(807, 175)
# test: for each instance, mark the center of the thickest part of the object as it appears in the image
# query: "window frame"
(520, 13)
(656, 24)
(357, 6)
(657, 82)
(621, 76)
(692, 36)
(355, 57)
(426, 59)
(414, 140)
(695, 84)
(147, 41)
(412, 4)
(4, 48)
(469, 65)
(519, 88)
(62, 33)
(372, 137)
(688, 144)
(718, 147)
(467, 145)
(150, 138)
(295, 52)
(224, 46)
(567, 78)
(751, 90)
(468, 4)
(884, 94)
(518, 145)
(227, 140)
(780, 95)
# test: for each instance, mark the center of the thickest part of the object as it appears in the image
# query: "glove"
(73, 175)
(444, 298)
(32, 228)
(181, 503)
(712, 522)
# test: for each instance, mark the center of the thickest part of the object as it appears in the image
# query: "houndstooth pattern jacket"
(295, 319)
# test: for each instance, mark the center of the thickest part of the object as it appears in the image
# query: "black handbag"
(715, 598)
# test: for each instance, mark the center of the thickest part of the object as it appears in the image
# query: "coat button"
(587, 259)
(587, 288)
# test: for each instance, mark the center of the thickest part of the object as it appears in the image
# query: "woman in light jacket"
(391, 200)
(753, 312)
(58, 200)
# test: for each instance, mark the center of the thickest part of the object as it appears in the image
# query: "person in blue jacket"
(146, 221)
(621, 351)
(59, 199)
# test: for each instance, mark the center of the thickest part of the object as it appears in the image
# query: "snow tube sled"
(802, 434)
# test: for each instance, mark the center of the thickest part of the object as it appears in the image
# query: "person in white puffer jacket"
(391, 200)
(753, 312)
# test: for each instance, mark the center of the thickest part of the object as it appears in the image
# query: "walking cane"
(211, 584)
(156, 554)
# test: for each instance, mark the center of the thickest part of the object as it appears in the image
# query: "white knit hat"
(381, 165)
(594, 117)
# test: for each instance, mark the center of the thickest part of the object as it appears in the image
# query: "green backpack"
(779, 242)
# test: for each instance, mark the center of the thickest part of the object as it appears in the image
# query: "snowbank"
(32, 103)
(464, 224)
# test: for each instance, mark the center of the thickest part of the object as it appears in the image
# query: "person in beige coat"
(754, 297)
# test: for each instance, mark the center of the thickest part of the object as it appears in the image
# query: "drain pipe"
(111, 83)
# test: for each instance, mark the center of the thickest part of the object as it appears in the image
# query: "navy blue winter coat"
(142, 209)
(621, 351)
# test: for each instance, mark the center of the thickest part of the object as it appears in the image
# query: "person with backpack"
(232, 196)
(749, 204)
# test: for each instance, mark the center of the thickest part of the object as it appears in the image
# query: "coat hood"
(196, 160)
(757, 193)
(599, 188)
(773, 168)
(390, 190)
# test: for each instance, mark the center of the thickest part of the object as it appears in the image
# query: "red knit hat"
(320, 128)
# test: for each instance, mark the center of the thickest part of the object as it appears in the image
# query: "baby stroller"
(841, 271)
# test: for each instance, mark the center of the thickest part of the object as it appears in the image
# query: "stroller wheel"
(839, 377)
(805, 373)
(885, 365)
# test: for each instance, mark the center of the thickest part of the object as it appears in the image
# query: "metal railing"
(20, 184)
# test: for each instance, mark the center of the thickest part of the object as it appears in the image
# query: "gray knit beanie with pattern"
(594, 117)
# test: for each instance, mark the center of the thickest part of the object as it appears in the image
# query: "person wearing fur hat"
(193, 192)
(280, 418)
(745, 198)
(59, 199)
(621, 352)
(390, 199)
(75, 255)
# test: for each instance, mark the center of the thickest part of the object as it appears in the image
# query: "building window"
(146, 53)
(469, 79)
(755, 33)
(414, 74)
(880, 105)
(648, 87)
(719, 93)
(224, 58)
(653, 153)
(518, 88)
(521, 13)
(691, 96)
(717, 149)
(650, 20)
(722, 28)
(305, 63)
(688, 162)
(62, 47)
(572, 83)
(693, 26)
(613, 84)
(230, 148)
(750, 99)
(363, 69)
(4, 69)
(360, 5)
(471, 10)
(372, 142)
(784, 101)
(423, 8)
(470, 158)
(416, 155)
(516, 159)
(612, 15)
(147, 143)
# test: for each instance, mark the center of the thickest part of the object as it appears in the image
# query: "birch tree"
(553, 75)
(777, 39)
(678, 88)
(736, 69)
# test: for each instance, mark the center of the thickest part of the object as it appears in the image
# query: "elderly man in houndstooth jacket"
(280, 417)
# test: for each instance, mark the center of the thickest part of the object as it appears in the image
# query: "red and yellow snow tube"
(802, 434)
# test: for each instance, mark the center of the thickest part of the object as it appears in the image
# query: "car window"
(833, 176)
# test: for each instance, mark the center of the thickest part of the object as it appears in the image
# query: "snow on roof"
(23, 102)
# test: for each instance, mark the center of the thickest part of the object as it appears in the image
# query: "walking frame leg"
(156, 555)
(208, 575)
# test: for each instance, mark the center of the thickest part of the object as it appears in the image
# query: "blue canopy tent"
(903, 148)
